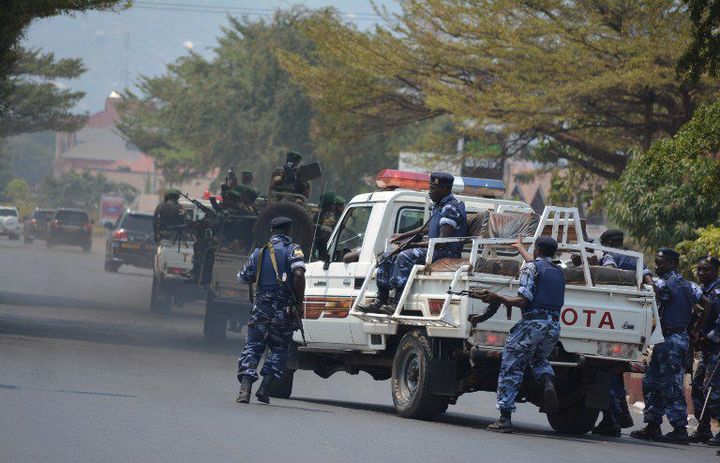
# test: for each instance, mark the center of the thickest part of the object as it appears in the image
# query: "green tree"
(670, 191)
(703, 54)
(589, 80)
(18, 193)
(706, 244)
(81, 190)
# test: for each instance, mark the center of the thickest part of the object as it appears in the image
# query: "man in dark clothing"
(663, 382)
(278, 270)
(709, 346)
(285, 179)
(167, 214)
(448, 220)
(541, 295)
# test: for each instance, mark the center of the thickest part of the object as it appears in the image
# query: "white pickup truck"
(428, 349)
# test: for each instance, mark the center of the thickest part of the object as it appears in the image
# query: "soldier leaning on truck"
(277, 268)
(705, 374)
(448, 219)
(541, 295)
(663, 382)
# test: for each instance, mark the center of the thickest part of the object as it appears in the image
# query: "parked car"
(9, 224)
(36, 226)
(70, 226)
(130, 242)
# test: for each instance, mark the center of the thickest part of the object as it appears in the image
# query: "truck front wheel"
(576, 419)
(411, 373)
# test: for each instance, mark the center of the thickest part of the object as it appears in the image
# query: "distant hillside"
(117, 48)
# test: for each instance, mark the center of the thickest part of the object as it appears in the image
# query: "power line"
(249, 11)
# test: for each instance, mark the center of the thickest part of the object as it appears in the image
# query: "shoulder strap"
(261, 252)
(273, 261)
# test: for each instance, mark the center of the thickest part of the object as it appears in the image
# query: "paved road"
(89, 374)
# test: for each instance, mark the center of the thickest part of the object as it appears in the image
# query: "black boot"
(263, 392)
(550, 396)
(703, 433)
(504, 424)
(608, 426)
(626, 420)
(650, 432)
(245, 390)
(715, 441)
(380, 305)
(678, 435)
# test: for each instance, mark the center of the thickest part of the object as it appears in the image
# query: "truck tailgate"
(224, 279)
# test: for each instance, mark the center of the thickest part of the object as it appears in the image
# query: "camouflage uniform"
(394, 273)
(532, 340)
(663, 382)
(270, 324)
(709, 358)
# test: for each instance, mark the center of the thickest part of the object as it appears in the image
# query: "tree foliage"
(591, 80)
(668, 192)
(703, 54)
(17, 192)
(706, 244)
(81, 190)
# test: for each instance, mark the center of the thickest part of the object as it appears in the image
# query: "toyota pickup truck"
(427, 347)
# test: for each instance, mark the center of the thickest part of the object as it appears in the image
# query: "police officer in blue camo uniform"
(663, 382)
(448, 219)
(277, 268)
(541, 295)
(617, 416)
(707, 273)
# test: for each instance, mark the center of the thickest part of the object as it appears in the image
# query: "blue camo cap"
(547, 244)
(441, 179)
(668, 252)
(280, 222)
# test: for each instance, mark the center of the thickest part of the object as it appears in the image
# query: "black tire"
(216, 319)
(112, 267)
(411, 373)
(282, 388)
(160, 301)
(577, 419)
(302, 223)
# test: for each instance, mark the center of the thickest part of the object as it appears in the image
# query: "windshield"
(72, 217)
(139, 223)
(43, 216)
(351, 232)
(8, 213)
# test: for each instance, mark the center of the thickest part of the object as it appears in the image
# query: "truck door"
(331, 286)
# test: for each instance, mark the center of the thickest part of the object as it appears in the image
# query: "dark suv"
(36, 226)
(70, 226)
(131, 242)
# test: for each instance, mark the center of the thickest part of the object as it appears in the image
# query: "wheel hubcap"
(410, 375)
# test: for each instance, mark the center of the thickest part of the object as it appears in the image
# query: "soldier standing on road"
(707, 273)
(279, 272)
(541, 295)
(663, 382)
(167, 214)
(448, 220)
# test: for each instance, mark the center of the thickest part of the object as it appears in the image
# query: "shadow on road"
(480, 423)
(45, 300)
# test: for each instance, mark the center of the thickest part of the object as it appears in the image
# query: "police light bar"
(389, 179)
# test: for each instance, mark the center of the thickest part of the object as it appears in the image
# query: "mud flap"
(443, 377)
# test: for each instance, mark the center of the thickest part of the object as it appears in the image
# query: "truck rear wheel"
(216, 318)
(576, 419)
(282, 388)
(411, 373)
(160, 301)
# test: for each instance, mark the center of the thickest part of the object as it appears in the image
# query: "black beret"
(612, 235)
(280, 222)
(293, 156)
(670, 253)
(546, 244)
(441, 178)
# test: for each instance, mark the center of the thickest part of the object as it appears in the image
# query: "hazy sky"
(117, 47)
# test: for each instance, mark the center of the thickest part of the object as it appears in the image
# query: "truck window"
(409, 218)
(351, 232)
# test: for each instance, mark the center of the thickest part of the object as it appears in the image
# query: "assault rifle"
(199, 205)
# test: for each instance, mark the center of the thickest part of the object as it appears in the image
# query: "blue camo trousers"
(269, 325)
(708, 361)
(663, 382)
(529, 343)
(618, 395)
(394, 273)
